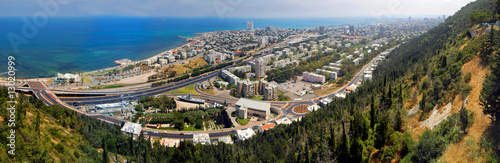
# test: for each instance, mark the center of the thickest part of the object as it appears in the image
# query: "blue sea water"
(68, 44)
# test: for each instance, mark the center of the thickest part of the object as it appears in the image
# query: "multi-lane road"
(101, 97)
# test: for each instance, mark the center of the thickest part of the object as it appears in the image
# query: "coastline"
(198, 35)
(157, 55)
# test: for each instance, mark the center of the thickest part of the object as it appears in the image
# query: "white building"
(356, 61)
(249, 25)
(260, 68)
(132, 128)
(67, 78)
(367, 77)
(230, 77)
(313, 108)
(325, 101)
(313, 78)
(201, 138)
(244, 134)
(285, 121)
(329, 74)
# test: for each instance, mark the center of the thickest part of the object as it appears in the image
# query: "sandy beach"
(131, 80)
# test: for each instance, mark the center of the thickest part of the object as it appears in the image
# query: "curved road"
(48, 97)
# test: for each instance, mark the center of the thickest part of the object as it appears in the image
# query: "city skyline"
(237, 8)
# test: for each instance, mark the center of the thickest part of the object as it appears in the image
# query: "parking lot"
(296, 90)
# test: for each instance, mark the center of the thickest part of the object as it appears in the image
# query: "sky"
(234, 8)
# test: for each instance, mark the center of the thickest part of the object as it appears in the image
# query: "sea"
(72, 44)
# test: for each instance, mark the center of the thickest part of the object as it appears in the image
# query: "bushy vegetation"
(211, 68)
(163, 102)
(433, 143)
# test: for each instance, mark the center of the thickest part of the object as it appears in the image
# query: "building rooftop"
(257, 105)
(285, 120)
(267, 127)
(245, 134)
(134, 128)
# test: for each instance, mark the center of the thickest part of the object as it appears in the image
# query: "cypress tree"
(132, 148)
(464, 118)
(373, 112)
(401, 96)
(37, 124)
(332, 140)
(105, 157)
(423, 102)
(389, 97)
(345, 146)
(490, 92)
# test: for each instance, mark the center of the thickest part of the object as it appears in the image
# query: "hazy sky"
(237, 8)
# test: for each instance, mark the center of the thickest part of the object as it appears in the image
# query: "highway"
(135, 94)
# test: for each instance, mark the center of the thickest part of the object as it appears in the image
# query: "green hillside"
(54, 134)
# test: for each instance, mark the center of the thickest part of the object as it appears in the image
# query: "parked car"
(181, 133)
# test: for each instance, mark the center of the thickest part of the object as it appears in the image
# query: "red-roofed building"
(349, 89)
(266, 127)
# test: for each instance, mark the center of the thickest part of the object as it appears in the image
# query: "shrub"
(467, 77)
